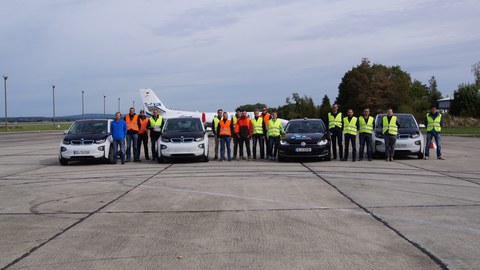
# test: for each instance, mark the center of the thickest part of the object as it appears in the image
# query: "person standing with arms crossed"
(215, 122)
(366, 127)
(350, 127)
(155, 124)
(335, 127)
(118, 127)
(390, 132)
(225, 132)
(434, 123)
(143, 135)
(133, 126)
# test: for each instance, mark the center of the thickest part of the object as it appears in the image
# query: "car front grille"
(404, 136)
(182, 140)
(82, 142)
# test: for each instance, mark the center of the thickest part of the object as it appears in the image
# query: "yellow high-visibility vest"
(434, 123)
(257, 125)
(334, 121)
(350, 127)
(391, 127)
(365, 127)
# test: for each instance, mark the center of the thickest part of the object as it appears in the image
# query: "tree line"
(378, 87)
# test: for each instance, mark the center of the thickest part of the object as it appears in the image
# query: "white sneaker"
(426, 157)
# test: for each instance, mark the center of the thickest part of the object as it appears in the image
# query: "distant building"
(444, 104)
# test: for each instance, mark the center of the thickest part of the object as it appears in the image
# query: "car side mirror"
(421, 126)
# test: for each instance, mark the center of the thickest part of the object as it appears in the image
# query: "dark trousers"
(217, 144)
(258, 138)
(235, 146)
(365, 138)
(153, 140)
(353, 139)
(430, 136)
(143, 139)
(390, 141)
(336, 135)
(241, 142)
(267, 147)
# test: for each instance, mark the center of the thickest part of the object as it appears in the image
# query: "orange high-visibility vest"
(225, 128)
(143, 127)
(132, 123)
(266, 118)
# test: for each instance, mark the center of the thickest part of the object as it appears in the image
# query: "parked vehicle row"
(186, 137)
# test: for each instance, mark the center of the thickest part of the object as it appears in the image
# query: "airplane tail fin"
(151, 101)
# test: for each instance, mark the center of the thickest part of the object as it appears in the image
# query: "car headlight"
(199, 139)
(165, 139)
(100, 141)
(66, 142)
(322, 142)
(283, 142)
(414, 136)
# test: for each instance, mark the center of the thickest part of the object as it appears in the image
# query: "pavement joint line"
(17, 260)
(437, 260)
(23, 171)
(402, 181)
(441, 173)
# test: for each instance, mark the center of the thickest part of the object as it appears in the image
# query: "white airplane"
(151, 102)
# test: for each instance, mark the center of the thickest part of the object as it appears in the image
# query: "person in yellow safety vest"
(258, 135)
(225, 132)
(155, 125)
(266, 117)
(434, 123)
(143, 134)
(236, 142)
(366, 126)
(390, 127)
(275, 130)
(215, 122)
(133, 126)
(335, 126)
(350, 127)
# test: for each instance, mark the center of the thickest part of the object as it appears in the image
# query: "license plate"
(81, 152)
(400, 145)
(303, 150)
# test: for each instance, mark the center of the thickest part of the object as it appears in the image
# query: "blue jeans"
(365, 138)
(132, 138)
(116, 143)
(274, 141)
(430, 136)
(225, 142)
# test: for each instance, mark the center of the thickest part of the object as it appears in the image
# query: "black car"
(307, 138)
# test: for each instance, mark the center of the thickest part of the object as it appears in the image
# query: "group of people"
(134, 129)
(346, 129)
(264, 129)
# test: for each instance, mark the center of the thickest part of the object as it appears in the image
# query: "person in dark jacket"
(215, 122)
(259, 133)
(118, 128)
(335, 126)
(155, 125)
(243, 131)
(434, 122)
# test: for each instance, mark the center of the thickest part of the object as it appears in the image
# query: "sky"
(203, 55)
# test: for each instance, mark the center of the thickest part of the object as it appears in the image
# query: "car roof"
(306, 119)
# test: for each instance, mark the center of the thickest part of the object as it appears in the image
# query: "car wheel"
(420, 155)
(160, 159)
(281, 158)
(63, 161)
(329, 157)
(205, 158)
(110, 155)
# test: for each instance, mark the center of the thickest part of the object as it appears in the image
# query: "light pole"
(104, 115)
(83, 111)
(53, 91)
(5, 77)
(118, 104)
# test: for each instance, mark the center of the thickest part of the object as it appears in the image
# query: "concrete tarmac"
(406, 214)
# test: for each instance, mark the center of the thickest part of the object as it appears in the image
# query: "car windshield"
(89, 127)
(305, 127)
(183, 125)
(405, 121)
